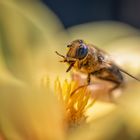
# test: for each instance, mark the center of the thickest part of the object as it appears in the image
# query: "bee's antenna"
(129, 74)
(60, 54)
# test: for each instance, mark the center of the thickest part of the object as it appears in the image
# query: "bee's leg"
(69, 68)
(64, 58)
(88, 83)
(72, 93)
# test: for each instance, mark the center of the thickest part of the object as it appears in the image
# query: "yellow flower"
(34, 104)
(75, 103)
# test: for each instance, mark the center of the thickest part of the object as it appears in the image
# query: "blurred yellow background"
(30, 33)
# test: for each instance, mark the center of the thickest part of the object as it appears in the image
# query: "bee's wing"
(129, 74)
(106, 59)
(104, 56)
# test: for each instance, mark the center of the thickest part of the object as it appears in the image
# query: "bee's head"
(77, 49)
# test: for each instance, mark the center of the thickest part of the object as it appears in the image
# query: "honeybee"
(93, 61)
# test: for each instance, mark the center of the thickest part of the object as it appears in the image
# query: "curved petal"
(101, 33)
(30, 35)
(126, 53)
(29, 113)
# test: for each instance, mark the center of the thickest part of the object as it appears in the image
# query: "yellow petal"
(126, 53)
(101, 33)
(31, 34)
(29, 113)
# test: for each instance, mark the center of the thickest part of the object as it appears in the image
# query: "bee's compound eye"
(82, 51)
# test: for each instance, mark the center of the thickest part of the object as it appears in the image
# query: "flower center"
(75, 104)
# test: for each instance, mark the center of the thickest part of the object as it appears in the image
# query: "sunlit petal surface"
(126, 53)
(103, 32)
